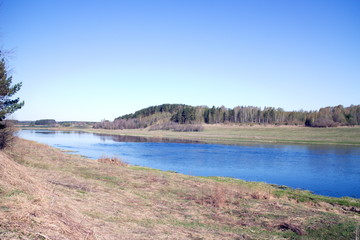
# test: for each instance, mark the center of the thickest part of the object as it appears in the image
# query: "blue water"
(326, 170)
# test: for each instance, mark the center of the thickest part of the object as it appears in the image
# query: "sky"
(93, 60)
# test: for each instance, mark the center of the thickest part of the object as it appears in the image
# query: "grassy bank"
(47, 194)
(226, 134)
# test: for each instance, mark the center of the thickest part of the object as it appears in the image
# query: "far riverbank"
(238, 135)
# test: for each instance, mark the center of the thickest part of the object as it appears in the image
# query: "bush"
(177, 127)
(309, 122)
(7, 131)
(113, 161)
(188, 128)
(325, 123)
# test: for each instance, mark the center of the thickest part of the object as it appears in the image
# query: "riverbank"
(47, 194)
(237, 135)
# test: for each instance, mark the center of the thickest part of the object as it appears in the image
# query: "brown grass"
(47, 194)
(113, 161)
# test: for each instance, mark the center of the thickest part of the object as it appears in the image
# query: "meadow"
(235, 134)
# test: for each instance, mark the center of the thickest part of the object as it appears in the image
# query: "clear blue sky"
(94, 60)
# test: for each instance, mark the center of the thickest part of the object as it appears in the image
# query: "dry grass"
(112, 160)
(47, 194)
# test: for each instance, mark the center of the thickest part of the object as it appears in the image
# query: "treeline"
(334, 116)
(47, 122)
(54, 123)
(161, 116)
(142, 121)
(122, 124)
(325, 117)
(164, 108)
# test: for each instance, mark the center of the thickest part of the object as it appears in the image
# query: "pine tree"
(7, 104)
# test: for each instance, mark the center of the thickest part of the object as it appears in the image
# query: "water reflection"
(50, 132)
(126, 138)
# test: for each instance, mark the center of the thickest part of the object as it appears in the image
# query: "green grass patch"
(140, 168)
(339, 231)
(39, 165)
(259, 232)
(306, 196)
(81, 191)
(4, 208)
(32, 164)
(225, 179)
(14, 193)
(104, 178)
(192, 224)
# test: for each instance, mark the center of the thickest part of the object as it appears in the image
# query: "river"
(323, 169)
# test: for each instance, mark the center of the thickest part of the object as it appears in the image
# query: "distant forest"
(170, 115)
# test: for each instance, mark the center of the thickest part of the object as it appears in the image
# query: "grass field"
(47, 194)
(226, 134)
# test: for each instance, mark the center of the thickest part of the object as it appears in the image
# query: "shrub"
(309, 122)
(7, 131)
(177, 127)
(325, 123)
(113, 161)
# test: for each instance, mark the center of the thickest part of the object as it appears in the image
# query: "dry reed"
(113, 161)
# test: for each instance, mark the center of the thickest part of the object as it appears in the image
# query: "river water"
(323, 169)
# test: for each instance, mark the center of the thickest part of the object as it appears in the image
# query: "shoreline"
(242, 135)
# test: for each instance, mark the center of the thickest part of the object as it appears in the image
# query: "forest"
(168, 116)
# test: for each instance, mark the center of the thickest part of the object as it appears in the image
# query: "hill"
(146, 112)
(161, 117)
(166, 115)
